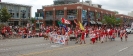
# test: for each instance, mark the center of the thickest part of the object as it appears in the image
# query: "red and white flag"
(65, 21)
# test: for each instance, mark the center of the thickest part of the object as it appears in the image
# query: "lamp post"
(23, 16)
(10, 11)
(44, 17)
(82, 12)
(122, 21)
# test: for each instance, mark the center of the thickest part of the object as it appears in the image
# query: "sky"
(122, 6)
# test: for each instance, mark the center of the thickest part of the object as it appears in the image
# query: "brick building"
(83, 12)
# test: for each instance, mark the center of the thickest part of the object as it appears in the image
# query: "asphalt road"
(41, 47)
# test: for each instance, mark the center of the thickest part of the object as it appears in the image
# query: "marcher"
(121, 34)
(78, 35)
(92, 37)
(82, 37)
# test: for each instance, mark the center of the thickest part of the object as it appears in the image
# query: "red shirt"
(111, 32)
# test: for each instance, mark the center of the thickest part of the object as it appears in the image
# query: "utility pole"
(82, 12)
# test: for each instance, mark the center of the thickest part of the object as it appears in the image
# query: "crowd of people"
(95, 34)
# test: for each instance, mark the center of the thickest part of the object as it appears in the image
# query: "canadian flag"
(65, 21)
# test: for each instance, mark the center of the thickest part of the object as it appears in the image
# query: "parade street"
(41, 47)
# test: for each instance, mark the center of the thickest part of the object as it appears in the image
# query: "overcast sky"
(122, 6)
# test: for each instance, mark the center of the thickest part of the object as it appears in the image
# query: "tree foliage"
(32, 20)
(4, 15)
(111, 21)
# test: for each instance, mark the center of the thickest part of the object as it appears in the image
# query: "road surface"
(41, 47)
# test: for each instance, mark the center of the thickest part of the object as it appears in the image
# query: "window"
(60, 12)
(17, 15)
(91, 15)
(49, 12)
(97, 15)
(28, 14)
(71, 12)
(12, 14)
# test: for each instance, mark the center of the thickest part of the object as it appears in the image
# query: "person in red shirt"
(82, 37)
(87, 32)
(3, 32)
(110, 34)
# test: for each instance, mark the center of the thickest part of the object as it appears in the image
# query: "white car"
(129, 30)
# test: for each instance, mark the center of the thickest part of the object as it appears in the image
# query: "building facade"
(126, 20)
(82, 12)
(19, 13)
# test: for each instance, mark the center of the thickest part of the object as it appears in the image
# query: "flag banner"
(59, 23)
(59, 39)
(75, 21)
(62, 25)
(65, 21)
(81, 26)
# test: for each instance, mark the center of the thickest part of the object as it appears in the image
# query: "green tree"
(116, 12)
(32, 20)
(4, 15)
(111, 21)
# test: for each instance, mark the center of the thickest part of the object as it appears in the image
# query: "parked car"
(129, 30)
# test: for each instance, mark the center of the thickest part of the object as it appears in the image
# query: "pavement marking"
(42, 44)
(35, 53)
(5, 49)
(55, 45)
(123, 49)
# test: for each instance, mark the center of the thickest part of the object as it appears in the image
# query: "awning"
(92, 22)
(98, 22)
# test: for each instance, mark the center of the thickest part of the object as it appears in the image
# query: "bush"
(1, 26)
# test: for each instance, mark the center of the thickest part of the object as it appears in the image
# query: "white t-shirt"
(92, 35)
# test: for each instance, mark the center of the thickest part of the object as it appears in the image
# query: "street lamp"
(23, 16)
(82, 12)
(122, 20)
(43, 17)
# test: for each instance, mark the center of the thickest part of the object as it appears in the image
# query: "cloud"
(122, 6)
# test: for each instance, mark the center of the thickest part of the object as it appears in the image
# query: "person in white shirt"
(92, 37)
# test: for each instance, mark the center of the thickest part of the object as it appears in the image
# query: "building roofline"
(84, 3)
(15, 4)
(124, 15)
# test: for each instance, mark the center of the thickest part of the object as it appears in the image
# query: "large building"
(83, 12)
(19, 13)
(91, 14)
